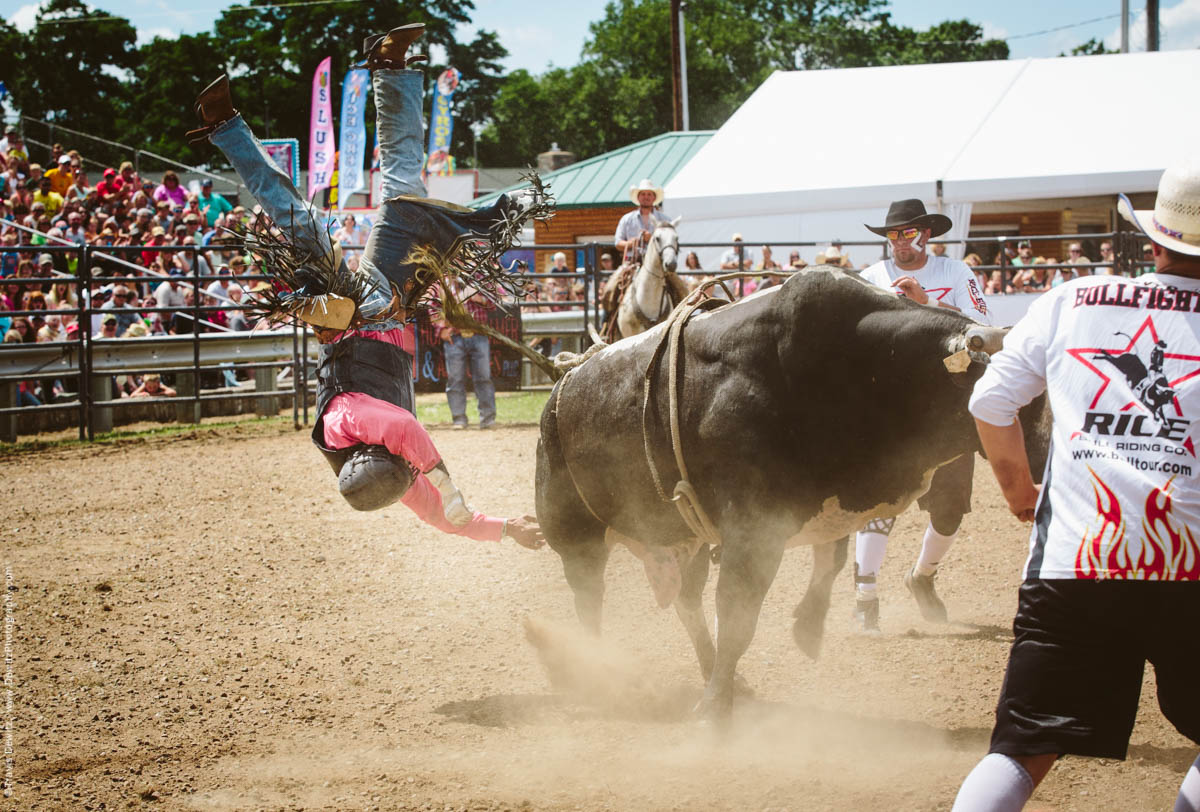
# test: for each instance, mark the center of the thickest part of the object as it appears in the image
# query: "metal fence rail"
(94, 360)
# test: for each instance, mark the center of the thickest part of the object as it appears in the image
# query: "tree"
(97, 52)
(1093, 47)
(621, 92)
(157, 116)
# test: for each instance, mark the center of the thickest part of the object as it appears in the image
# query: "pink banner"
(321, 148)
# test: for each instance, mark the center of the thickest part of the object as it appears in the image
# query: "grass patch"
(512, 408)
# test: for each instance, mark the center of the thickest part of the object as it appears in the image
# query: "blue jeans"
(459, 352)
(404, 219)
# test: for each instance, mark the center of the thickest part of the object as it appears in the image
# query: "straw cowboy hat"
(1174, 223)
(912, 212)
(646, 185)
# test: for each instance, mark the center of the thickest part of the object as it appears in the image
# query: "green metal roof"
(605, 179)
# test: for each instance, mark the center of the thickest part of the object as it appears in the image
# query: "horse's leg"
(810, 613)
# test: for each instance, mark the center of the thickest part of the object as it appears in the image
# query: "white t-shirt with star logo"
(1120, 362)
(944, 279)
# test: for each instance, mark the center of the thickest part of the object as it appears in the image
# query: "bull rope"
(684, 496)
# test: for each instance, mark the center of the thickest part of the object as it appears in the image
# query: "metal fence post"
(295, 375)
(85, 346)
(197, 407)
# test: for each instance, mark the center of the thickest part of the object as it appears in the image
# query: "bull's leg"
(690, 608)
(748, 565)
(583, 564)
(570, 528)
(810, 613)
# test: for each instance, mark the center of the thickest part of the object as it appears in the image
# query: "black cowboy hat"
(912, 213)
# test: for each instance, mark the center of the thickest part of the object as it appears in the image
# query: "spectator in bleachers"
(9, 258)
(61, 177)
(62, 297)
(52, 201)
(219, 287)
(938, 249)
(171, 190)
(153, 387)
(75, 232)
(729, 260)
(129, 179)
(53, 330)
(108, 326)
(14, 145)
(108, 191)
(79, 189)
(351, 233)
(120, 305)
(212, 204)
(170, 293)
(237, 319)
(183, 260)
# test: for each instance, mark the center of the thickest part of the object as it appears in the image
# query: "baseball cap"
(158, 231)
(108, 317)
(175, 272)
(44, 258)
(206, 182)
(145, 211)
(109, 171)
(1024, 244)
(191, 218)
(64, 158)
(10, 129)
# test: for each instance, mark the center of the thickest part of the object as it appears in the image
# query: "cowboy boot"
(214, 106)
(389, 50)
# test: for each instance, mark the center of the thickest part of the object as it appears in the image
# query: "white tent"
(813, 155)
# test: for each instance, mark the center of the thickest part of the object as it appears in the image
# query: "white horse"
(649, 300)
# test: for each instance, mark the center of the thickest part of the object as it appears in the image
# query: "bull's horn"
(986, 339)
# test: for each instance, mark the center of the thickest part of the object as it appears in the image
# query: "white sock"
(997, 784)
(869, 550)
(1188, 799)
(933, 548)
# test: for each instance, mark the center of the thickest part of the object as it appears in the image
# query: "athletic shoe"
(459, 425)
(866, 613)
(490, 424)
(922, 588)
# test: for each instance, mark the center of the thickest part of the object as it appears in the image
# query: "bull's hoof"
(741, 688)
(809, 629)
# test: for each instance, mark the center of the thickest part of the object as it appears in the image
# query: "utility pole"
(676, 76)
(1151, 25)
(683, 66)
(1124, 26)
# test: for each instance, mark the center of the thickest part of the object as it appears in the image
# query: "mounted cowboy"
(645, 287)
(635, 227)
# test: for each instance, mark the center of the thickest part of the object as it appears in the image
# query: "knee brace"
(372, 478)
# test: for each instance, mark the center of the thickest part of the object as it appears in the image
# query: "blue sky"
(540, 34)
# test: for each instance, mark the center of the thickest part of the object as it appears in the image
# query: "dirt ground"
(201, 623)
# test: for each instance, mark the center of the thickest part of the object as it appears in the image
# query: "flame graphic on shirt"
(1090, 562)
(1179, 555)
(1164, 552)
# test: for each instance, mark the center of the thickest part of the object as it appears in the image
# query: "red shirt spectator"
(109, 189)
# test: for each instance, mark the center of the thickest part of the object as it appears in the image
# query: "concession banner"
(353, 142)
(320, 132)
(430, 365)
(441, 126)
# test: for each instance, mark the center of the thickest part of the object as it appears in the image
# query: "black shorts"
(949, 496)
(1074, 675)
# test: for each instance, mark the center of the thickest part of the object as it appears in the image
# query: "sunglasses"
(903, 234)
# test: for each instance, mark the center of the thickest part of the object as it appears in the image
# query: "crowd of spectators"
(159, 233)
